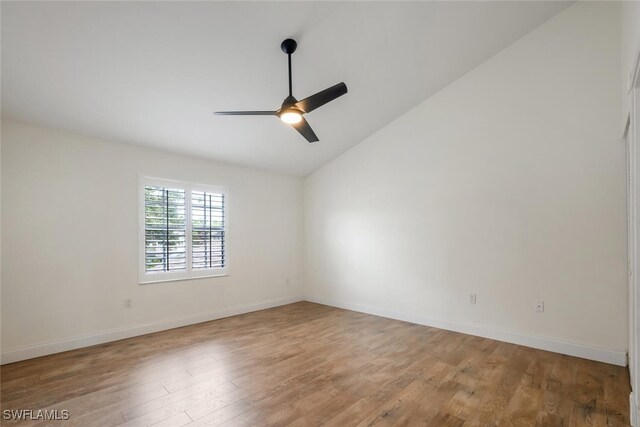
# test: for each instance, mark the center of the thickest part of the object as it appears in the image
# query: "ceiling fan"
(292, 110)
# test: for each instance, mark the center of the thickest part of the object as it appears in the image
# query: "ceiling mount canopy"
(292, 111)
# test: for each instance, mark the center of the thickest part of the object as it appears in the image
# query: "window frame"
(189, 273)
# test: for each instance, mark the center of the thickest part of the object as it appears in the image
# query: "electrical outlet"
(540, 307)
(287, 282)
(128, 303)
(472, 298)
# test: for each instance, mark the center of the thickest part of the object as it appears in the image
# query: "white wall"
(509, 183)
(70, 242)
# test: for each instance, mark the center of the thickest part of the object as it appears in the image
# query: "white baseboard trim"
(122, 333)
(543, 343)
(633, 411)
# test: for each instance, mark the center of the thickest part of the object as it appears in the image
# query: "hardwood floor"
(308, 364)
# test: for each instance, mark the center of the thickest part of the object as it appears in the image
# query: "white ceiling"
(152, 73)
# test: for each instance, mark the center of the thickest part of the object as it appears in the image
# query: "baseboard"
(118, 334)
(633, 411)
(543, 343)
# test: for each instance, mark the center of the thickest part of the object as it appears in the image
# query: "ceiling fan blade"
(317, 100)
(305, 130)
(245, 113)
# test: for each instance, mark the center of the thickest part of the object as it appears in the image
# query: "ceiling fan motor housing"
(289, 101)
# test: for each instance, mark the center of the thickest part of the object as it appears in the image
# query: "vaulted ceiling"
(152, 73)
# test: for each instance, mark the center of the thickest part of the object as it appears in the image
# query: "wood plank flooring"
(306, 364)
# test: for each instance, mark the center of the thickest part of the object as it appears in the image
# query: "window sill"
(181, 279)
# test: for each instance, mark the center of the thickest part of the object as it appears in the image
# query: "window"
(207, 230)
(182, 231)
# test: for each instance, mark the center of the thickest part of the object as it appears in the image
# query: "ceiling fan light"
(291, 117)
